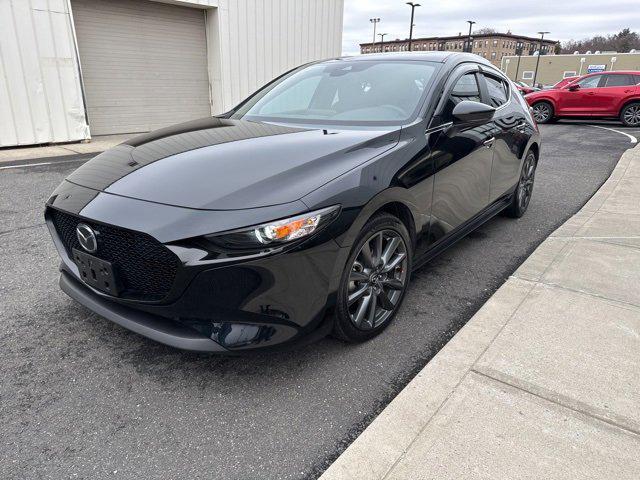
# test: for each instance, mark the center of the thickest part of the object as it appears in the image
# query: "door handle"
(487, 143)
(591, 93)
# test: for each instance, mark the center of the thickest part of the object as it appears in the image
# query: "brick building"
(492, 46)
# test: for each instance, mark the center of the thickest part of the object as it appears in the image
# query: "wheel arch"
(403, 213)
(628, 102)
(396, 201)
(545, 99)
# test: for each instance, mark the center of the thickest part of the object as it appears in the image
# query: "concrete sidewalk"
(95, 145)
(544, 381)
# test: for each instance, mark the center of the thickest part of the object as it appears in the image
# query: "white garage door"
(144, 64)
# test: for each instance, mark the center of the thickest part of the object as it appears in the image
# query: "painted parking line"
(633, 139)
(25, 165)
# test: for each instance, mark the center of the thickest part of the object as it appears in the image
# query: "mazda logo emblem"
(87, 237)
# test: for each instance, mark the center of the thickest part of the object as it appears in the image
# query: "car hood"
(221, 164)
(537, 93)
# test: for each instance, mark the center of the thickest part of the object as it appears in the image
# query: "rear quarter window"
(619, 80)
(498, 91)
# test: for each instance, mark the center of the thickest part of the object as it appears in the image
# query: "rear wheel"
(522, 195)
(630, 115)
(375, 279)
(542, 112)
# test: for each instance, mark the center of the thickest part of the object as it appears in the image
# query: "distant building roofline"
(464, 37)
(576, 54)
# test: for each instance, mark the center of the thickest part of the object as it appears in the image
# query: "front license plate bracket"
(96, 272)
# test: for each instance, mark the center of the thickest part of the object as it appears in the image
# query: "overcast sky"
(565, 19)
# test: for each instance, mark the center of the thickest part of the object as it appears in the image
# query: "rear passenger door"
(509, 128)
(615, 89)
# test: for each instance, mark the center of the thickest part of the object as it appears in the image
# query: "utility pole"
(468, 49)
(375, 22)
(519, 48)
(381, 35)
(535, 75)
(413, 7)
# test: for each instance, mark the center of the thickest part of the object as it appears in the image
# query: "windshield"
(348, 93)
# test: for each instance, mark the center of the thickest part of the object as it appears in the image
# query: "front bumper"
(148, 325)
(218, 313)
(269, 302)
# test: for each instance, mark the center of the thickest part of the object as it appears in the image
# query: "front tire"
(375, 279)
(542, 112)
(522, 196)
(630, 115)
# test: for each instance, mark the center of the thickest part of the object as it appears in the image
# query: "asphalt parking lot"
(83, 398)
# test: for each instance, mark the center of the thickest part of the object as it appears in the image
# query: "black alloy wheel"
(375, 279)
(542, 112)
(524, 190)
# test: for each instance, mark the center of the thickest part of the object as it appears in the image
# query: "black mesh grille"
(145, 268)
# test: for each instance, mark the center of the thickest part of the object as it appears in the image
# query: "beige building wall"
(553, 68)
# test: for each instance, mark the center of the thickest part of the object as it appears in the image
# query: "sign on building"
(596, 68)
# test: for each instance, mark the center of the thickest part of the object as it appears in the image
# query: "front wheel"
(375, 279)
(522, 196)
(542, 112)
(630, 115)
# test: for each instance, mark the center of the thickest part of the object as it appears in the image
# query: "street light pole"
(375, 22)
(519, 48)
(413, 7)
(470, 22)
(535, 75)
(381, 35)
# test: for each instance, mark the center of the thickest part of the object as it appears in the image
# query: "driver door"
(462, 156)
(580, 101)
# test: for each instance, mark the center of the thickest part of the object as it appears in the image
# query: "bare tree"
(622, 42)
(484, 30)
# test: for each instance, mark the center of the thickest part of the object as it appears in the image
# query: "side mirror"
(469, 111)
(573, 87)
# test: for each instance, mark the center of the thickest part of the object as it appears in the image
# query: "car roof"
(436, 56)
(614, 72)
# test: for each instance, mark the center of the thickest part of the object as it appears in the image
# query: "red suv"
(602, 95)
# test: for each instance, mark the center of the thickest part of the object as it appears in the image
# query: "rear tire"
(630, 115)
(543, 112)
(522, 196)
(375, 279)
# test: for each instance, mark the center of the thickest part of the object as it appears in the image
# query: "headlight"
(277, 232)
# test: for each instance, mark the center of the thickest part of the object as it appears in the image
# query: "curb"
(387, 439)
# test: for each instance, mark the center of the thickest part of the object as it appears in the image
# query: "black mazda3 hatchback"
(302, 211)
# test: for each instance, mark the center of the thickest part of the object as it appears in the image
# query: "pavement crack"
(4, 232)
(574, 406)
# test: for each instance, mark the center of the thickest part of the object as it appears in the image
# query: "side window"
(618, 80)
(498, 91)
(466, 88)
(589, 82)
